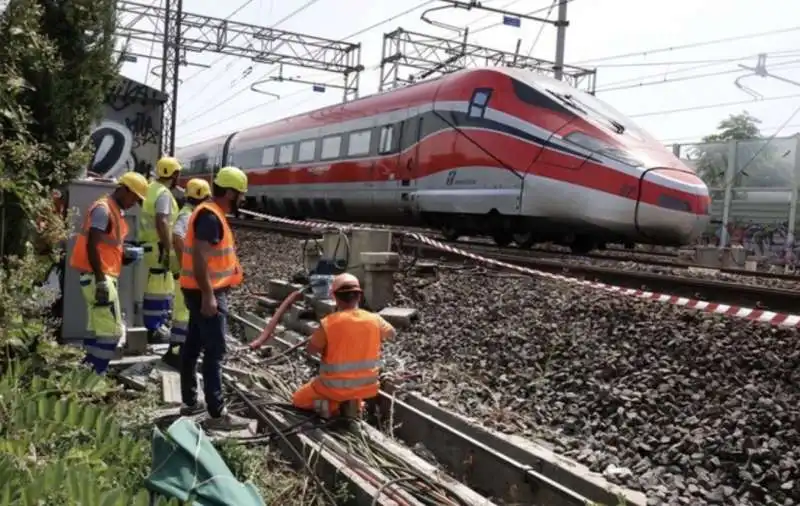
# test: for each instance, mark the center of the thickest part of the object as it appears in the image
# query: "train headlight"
(600, 147)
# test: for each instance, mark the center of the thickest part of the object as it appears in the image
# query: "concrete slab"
(137, 376)
(321, 307)
(171, 387)
(125, 362)
(400, 317)
(280, 289)
(267, 303)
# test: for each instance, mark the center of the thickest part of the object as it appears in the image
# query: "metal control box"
(132, 280)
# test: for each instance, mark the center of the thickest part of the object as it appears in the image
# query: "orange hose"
(266, 334)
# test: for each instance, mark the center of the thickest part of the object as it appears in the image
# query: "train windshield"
(584, 104)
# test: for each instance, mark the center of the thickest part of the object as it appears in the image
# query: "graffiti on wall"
(128, 137)
(771, 242)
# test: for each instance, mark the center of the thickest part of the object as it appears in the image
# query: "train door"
(408, 162)
(387, 168)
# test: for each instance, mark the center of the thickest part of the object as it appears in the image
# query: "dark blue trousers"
(206, 335)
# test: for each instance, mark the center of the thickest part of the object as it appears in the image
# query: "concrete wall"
(129, 135)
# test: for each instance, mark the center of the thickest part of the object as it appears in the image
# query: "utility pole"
(561, 35)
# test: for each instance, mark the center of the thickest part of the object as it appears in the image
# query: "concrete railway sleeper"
(508, 471)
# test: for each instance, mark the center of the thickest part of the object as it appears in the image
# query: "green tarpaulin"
(187, 467)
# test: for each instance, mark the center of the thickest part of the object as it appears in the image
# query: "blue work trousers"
(206, 335)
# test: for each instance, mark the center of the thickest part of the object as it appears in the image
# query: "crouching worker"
(197, 192)
(98, 256)
(349, 342)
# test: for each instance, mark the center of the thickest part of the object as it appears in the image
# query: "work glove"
(163, 257)
(101, 293)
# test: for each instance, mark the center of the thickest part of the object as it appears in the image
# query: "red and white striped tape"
(758, 315)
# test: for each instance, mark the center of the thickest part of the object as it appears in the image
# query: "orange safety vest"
(224, 269)
(349, 367)
(110, 246)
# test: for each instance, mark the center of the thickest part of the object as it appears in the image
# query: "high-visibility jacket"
(224, 269)
(110, 246)
(147, 225)
(350, 364)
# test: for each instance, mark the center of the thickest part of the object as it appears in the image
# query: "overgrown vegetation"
(67, 436)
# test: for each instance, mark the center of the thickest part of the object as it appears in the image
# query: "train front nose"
(673, 206)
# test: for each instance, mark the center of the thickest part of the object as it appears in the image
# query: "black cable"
(285, 439)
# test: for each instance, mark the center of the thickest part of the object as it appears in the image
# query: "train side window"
(286, 154)
(388, 140)
(479, 102)
(331, 147)
(268, 157)
(305, 153)
(359, 143)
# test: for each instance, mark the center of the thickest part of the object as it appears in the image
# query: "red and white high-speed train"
(501, 152)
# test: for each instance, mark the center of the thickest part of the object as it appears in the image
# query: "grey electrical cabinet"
(132, 281)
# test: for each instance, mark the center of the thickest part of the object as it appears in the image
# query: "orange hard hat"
(345, 283)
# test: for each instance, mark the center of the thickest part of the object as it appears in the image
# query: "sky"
(678, 94)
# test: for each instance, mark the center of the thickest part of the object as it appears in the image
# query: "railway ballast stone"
(690, 407)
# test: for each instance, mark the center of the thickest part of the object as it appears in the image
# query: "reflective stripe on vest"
(110, 244)
(223, 265)
(352, 357)
(147, 225)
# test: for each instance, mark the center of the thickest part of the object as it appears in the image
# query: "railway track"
(464, 464)
(764, 298)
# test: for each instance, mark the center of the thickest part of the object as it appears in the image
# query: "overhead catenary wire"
(712, 106)
(289, 16)
(692, 45)
(790, 64)
(416, 7)
(267, 74)
(541, 28)
(698, 138)
(153, 43)
(793, 53)
(221, 57)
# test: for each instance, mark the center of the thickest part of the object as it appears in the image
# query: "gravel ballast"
(690, 407)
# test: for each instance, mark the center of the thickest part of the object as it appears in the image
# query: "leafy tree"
(760, 162)
(56, 66)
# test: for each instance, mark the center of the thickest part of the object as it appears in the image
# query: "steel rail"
(777, 300)
(484, 461)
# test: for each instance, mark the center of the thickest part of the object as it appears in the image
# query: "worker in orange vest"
(98, 256)
(209, 269)
(349, 342)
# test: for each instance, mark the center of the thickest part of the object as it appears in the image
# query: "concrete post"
(379, 269)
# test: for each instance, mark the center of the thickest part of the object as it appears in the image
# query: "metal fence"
(754, 187)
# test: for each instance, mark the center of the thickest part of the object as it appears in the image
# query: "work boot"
(158, 336)
(227, 422)
(172, 357)
(193, 410)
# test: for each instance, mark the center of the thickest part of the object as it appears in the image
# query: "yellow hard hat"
(167, 166)
(233, 178)
(197, 189)
(345, 283)
(135, 182)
